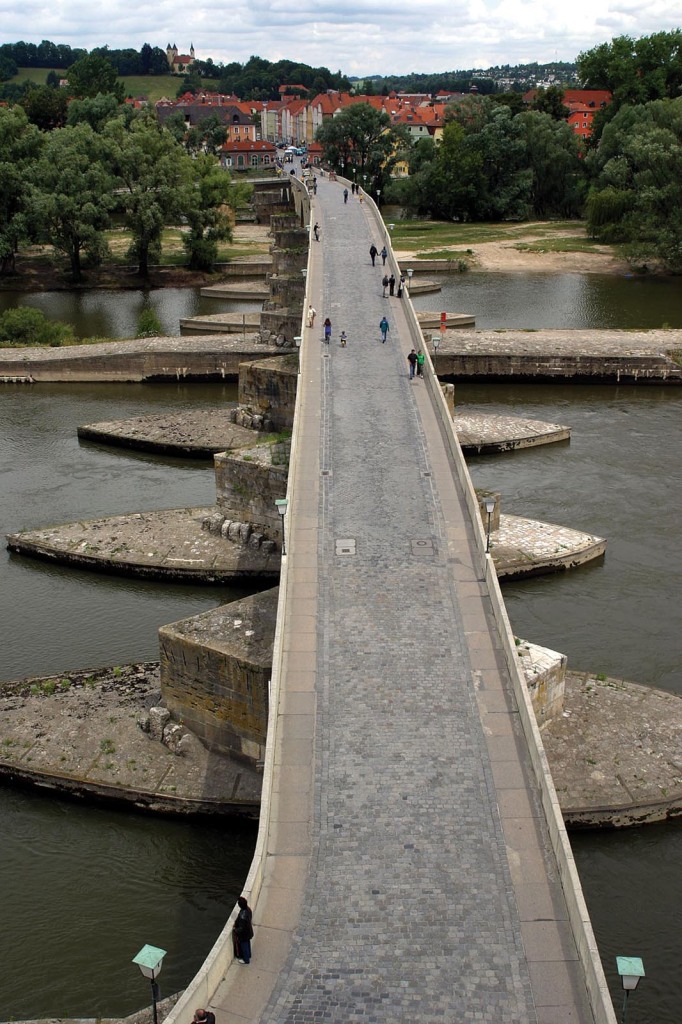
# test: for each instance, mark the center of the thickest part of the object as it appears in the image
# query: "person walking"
(384, 328)
(327, 330)
(316, 229)
(343, 339)
(312, 313)
(384, 284)
(412, 360)
(345, 195)
(401, 285)
(243, 932)
(373, 252)
(384, 256)
(421, 359)
(391, 284)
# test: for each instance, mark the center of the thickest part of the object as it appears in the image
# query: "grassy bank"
(447, 240)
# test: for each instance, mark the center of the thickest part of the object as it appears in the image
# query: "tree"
(20, 143)
(448, 187)
(74, 194)
(46, 107)
(155, 178)
(553, 153)
(8, 69)
(636, 197)
(211, 213)
(92, 75)
(635, 70)
(551, 101)
(507, 179)
(205, 137)
(365, 139)
(93, 110)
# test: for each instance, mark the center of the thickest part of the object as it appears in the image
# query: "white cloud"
(359, 37)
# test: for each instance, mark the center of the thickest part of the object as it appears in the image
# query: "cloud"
(359, 37)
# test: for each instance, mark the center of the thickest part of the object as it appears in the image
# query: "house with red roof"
(582, 105)
(245, 154)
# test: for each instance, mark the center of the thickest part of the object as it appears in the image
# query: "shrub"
(148, 324)
(28, 326)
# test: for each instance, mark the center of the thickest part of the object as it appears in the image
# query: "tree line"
(148, 60)
(108, 166)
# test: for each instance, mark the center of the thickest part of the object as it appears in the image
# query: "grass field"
(153, 87)
(444, 239)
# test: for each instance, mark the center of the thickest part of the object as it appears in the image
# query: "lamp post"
(281, 504)
(149, 960)
(410, 272)
(436, 343)
(490, 508)
(631, 969)
(379, 198)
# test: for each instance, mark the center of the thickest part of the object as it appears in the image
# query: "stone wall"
(215, 672)
(247, 484)
(545, 674)
(269, 389)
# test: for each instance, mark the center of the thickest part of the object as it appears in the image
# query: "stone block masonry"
(269, 389)
(215, 671)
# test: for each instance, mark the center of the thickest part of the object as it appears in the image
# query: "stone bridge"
(412, 863)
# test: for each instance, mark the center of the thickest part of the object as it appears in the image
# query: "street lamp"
(297, 341)
(490, 508)
(631, 969)
(281, 504)
(436, 343)
(378, 197)
(410, 272)
(149, 960)
(304, 271)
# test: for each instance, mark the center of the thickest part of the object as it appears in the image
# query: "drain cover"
(422, 547)
(345, 547)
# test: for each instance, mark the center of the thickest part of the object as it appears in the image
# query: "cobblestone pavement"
(413, 909)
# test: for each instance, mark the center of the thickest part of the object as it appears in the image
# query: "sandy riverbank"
(503, 256)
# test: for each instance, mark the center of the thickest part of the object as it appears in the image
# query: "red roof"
(248, 146)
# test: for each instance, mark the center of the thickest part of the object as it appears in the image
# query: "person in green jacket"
(421, 359)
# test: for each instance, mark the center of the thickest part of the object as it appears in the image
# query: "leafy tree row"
(65, 187)
(490, 164)
(260, 79)
(149, 60)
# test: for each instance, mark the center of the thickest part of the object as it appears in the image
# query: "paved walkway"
(411, 868)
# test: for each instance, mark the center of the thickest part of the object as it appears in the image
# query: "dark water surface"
(618, 477)
(553, 301)
(114, 314)
(83, 888)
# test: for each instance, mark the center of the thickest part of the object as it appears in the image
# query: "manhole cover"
(422, 547)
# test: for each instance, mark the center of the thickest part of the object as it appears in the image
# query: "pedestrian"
(384, 256)
(412, 360)
(384, 328)
(401, 285)
(421, 359)
(373, 252)
(203, 1017)
(327, 330)
(384, 284)
(391, 284)
(360, 195)
(345, 195)
(316, 229)
(243, 932)
(343, 339)
(312, 313)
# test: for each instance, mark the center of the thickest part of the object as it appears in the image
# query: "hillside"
(151, 86)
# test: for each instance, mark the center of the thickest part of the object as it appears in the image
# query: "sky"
(357, 37)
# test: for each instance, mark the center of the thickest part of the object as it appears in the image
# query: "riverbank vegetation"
(65, 188)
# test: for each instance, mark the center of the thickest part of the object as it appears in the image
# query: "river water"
(107, 882)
